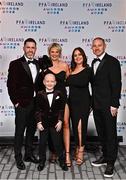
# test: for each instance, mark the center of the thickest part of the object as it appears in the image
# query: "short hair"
(50, 74)
(29, 40)
(73, 64)
(55, 45)
(99, 38)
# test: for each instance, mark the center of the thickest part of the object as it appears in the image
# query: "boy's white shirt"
(50, 98)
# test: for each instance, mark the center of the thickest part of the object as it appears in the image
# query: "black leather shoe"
(41, 166)
(100, 162)
(31, 159)
(20, 165)
(109, 171)
(63, 166)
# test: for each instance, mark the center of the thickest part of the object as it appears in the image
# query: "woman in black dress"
(79, 100)
(61, 71)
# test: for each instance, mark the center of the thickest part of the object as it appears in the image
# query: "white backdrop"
(71, 23)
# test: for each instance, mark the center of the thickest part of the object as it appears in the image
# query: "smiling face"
(78, 58)
(49, 82)
(54, 51)
(98, 47)
(54, 54)
(29, 50)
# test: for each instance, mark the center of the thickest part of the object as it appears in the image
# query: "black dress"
(79, 101)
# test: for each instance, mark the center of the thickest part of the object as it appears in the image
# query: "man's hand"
(114, 111)
(40, 126)
(58, 126)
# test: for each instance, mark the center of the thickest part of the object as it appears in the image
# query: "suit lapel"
(25, 66)
(92, 66)
(37, 67)
(46, 98)
(100, 65)
(27, 69)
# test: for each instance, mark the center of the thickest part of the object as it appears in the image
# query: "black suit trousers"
(56, 138)
(107, 132)
(24, 120)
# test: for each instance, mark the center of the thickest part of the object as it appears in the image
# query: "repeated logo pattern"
(53, 8)
(69, 23)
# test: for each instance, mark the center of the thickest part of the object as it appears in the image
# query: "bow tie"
(96, 59)
(50, 92)
(32, 61)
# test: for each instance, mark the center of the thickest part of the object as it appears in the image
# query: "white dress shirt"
(96, 64)
(33, 70)
(50, 97)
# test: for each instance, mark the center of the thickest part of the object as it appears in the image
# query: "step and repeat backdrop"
(71, 23)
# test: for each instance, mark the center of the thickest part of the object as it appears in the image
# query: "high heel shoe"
(68, 161)
(80, 158)
(75, 154)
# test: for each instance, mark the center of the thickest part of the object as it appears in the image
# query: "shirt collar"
(49, 90)
(27, 59)
(101, 57)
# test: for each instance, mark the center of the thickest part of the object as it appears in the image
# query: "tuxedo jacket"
(49, 116)
(106, 83)
(20, 84)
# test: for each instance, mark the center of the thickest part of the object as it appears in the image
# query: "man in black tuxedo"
(106, 90)
(49, 116)
(23, 84)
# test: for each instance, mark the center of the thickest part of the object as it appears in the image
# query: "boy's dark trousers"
(57, 143)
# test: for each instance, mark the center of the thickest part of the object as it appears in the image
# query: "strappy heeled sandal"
(80, 158)
(68, 161)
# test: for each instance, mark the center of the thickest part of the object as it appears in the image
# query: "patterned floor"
(8, 168)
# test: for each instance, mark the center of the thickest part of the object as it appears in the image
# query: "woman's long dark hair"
(73, 64)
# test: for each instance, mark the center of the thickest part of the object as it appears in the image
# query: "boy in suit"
(49, 116)
(106, 91)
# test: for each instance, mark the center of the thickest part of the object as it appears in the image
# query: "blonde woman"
(61, 71)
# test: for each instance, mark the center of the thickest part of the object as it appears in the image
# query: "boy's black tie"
(50, 92)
